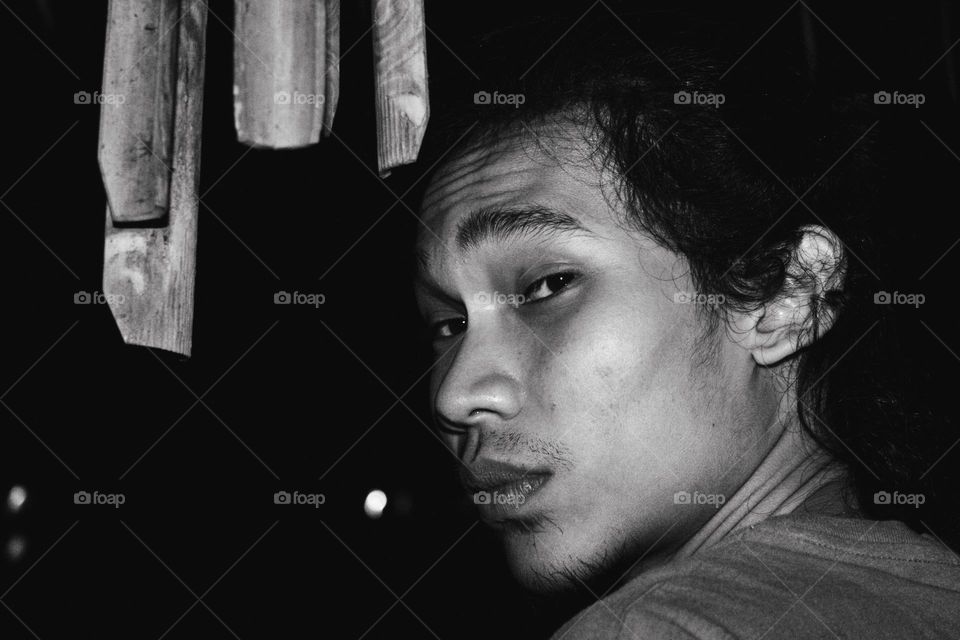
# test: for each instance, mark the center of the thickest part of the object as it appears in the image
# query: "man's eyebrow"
(503, 223)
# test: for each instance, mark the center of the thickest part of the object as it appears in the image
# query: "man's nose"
(482, 385)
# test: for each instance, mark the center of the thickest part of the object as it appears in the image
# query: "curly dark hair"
(729, 187)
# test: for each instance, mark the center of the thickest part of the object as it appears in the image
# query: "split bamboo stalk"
(139, 86)
(149, 273)
(400, 70)
(280, 60)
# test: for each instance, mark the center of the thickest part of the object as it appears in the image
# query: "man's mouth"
(501, 490)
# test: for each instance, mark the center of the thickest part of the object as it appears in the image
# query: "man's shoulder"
(790, 577)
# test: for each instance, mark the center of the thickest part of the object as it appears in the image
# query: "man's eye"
(547, 286)
(448, 328)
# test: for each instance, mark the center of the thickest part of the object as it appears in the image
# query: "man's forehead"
(515, 169)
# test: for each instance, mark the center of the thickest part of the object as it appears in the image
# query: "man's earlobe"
(801, 311)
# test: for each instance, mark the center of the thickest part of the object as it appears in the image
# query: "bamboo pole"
(149, 273)
(280, 60)
(400, 70)
(136, 113)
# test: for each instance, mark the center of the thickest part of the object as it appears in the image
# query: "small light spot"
(16, 498)
(375, 503)
(15, 547)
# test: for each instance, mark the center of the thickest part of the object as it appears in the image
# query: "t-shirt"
(791, 576)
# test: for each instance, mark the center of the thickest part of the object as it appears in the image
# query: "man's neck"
(794, 477)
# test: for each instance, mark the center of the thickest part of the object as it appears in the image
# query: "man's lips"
(500, 489)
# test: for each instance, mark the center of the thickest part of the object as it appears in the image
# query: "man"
(644, 348)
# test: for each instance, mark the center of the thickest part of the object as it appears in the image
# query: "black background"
(329, 400)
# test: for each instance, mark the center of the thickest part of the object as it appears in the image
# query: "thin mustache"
(533, 450)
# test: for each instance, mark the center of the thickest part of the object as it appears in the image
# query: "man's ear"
(800, 311)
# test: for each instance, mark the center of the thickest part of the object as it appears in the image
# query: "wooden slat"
(279, 64)
(137, 107)
(332, 75)
(400, 69)
(149, 273)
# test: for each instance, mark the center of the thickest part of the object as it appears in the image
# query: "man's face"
(568, 350)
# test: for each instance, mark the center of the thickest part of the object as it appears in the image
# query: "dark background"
(330, 400)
